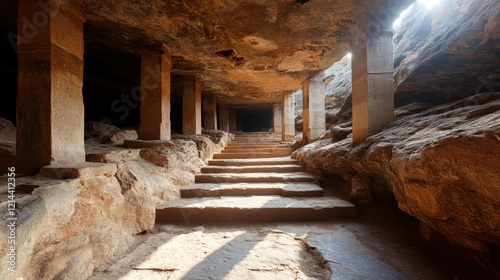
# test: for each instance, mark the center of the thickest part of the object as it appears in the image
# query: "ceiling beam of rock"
(246, 51)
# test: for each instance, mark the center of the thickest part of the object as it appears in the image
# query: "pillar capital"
(157, 50)
(191, 80)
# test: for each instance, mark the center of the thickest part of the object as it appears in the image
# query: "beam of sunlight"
(167, 256)
(403, 15)
(429, 3)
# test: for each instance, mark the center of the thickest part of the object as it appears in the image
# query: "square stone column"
(155, 96)
(191, 105)
(232, 120)
(373, 84)
(277, 112)
(50, 111)
(224, 117)
(209, 112)
(288, 118)
(313, 98)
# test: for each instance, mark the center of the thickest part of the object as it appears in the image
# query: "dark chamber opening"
(255, 120)
(8, 77)
(111, 86)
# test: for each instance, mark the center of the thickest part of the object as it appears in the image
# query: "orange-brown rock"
(440, 164)
(245, 51)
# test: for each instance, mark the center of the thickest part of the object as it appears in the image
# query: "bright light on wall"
(398, 21)
(349, 55)
(429, 3)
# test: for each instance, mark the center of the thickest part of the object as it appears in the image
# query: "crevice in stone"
(233, 58)
(302, 1)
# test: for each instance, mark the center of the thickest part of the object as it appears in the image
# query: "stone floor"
(383, 244)
(379, 242)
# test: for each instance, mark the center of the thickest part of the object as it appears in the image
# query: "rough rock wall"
(441, 54)
(447, 52)
(7, 144)
(68, 228)
(440, 164)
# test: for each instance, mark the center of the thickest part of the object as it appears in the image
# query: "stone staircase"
(254, 180)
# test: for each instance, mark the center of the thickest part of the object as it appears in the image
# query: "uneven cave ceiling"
(243, 51)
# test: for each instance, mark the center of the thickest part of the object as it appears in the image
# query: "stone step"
(250, 155)
(253, 169)
(246, 162)
(254, 209)
(257, 140)
(254, 178)
(243, 155)
(260, 150)
(254, 145)
(245, 189)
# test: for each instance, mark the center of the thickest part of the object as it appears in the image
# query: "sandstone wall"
(69, 228)
(441, 54)
(440, 164)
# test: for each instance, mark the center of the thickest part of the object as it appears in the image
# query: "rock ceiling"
(243, 51)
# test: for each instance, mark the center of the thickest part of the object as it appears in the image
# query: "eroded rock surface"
(440, 164)
(97, 132)
(7, 131)
(441, 54)
(448, 52)
(247, 52)
(68, 228)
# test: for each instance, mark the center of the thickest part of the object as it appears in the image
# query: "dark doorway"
(256, 120)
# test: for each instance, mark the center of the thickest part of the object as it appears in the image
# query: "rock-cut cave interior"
(235, 139)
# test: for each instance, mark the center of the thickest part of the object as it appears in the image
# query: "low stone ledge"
(78, 170)
(138, 144)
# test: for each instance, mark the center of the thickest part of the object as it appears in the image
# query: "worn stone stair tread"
(251, 145)
(245, 162)
(257, 140)
(254, 150)
(250, 155)
(245, 189)
(254, 209)
(254, 177)
(282, 168)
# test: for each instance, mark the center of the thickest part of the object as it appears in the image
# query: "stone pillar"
(288, 118)
(373, 84)
(191, 105)
(224, 117)
(313, 98)
(277, 112)
(50, 111)
(232, 120)
(209, 112)
(155, 96)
